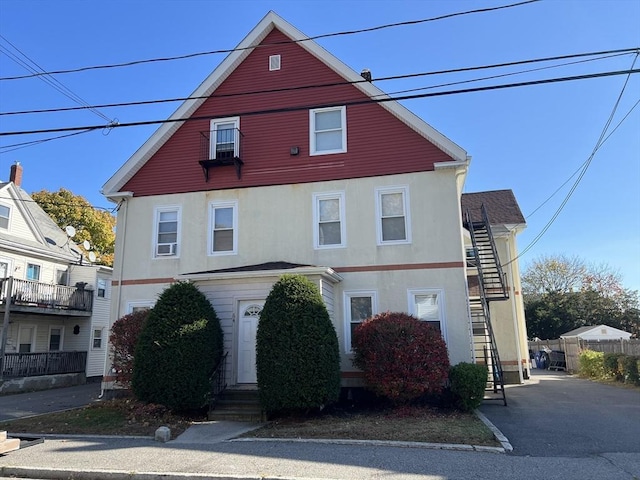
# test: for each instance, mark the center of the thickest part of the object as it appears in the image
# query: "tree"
(297, 353)
(123, 339)
(553, 274)
(178, 350)
(91, 224)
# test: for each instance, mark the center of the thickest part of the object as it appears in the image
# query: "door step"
(238, 404)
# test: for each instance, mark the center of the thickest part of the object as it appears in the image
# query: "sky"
(531, 139)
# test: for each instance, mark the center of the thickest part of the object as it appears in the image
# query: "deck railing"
(45, 363)
(44, 295)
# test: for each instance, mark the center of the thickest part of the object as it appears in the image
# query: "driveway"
(28, 404)
(555, 414)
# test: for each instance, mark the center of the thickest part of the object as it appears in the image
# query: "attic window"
(4, 217)
(274, 62)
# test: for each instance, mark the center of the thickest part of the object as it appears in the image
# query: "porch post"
(5, 325)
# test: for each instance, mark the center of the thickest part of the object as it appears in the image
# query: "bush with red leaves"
(401, 357)
(123, 339)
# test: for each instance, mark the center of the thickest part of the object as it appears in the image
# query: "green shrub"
(178, 350)
(402, 358)
(297, 353)
(628, 365)
(610, 365)
(467, 383)
(591, 364)
(123, 339)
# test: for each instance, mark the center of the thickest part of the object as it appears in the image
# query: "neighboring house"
(54, 305)
(597, 332)
(361, 197)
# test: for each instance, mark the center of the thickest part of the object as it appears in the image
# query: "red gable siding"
(377, 142)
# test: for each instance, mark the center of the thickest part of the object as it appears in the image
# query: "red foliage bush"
(401, 357)
(123, 339)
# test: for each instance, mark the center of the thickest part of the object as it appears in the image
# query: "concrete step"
(8, 444)
(239, 405)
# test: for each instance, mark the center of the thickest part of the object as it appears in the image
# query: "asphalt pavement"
(544, 441)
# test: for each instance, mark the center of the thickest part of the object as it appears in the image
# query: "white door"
(248, 318)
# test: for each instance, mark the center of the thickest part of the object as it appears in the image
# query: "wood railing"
(46, 363)
(44, 295)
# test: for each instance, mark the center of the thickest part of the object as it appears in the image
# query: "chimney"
(16, 174)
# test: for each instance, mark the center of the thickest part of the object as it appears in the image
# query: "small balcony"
(221, 148)
(35, 297)
(18, 365)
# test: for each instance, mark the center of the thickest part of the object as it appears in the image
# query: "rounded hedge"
(297, 353)
(401, 357)
(178, 350)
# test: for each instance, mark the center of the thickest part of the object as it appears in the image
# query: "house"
(597, 332)
(286, 160)
(55, 305)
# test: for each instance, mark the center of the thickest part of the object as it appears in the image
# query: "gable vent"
(274, 62)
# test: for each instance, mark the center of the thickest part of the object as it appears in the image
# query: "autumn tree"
(91, 224)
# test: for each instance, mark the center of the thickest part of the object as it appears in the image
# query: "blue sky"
(529, 139)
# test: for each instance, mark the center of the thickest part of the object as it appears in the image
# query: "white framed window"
(428, 306)
(358, 306)
(62, 277)
(26, 338)
(102, 288)
(328, 130)
(96, 341)
(5, 214)
(392, 213)
(33, 272)
(329, 220)
(274, 62)
(223, 228)
(167, 231)
(56, 335)
(5, 268)
(225, 138)
(139, 305)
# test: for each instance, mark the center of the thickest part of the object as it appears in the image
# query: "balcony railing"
(221, 148)
(27, 293)
(46, 363)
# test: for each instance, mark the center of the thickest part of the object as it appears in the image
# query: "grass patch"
(412, 424)
(113, 417)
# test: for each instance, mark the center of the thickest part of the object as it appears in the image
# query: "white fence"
(573, 346)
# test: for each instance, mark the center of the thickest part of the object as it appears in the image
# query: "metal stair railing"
(218, 381)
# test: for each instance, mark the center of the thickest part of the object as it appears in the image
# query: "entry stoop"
(8, 444)
(241, 405)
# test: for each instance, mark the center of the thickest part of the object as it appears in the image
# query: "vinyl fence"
(573, 346)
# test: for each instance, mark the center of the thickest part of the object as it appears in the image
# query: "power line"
(18, 146)
(334, 104)
(583, 169)
(601, 54)
(325, 35)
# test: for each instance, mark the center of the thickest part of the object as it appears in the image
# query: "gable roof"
(578, 332)
(50, 239)
(502, 207)
(271, 21)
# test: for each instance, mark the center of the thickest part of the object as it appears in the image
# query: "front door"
(248, 318)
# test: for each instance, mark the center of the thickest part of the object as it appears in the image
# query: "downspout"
(114, 314)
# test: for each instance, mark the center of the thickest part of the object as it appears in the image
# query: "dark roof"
(255, 268)
(501, 205)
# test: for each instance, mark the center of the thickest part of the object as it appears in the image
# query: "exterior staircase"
(491, 286)
(239, 404)
(8, 444)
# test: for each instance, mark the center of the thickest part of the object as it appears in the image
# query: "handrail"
(218, 381)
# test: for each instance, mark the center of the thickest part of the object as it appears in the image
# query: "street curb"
(504, 441)
(380, 443)
(73, 436)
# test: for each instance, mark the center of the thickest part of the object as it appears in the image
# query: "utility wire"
(334, 104)
(30, 65)
(602, 55)
(583, 170)
(18, 146)
(326, 35)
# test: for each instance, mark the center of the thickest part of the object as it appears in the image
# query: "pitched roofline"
(229, 64)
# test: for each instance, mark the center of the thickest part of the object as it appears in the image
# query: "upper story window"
(392, 212)
(167, 231)
(427, 306)
(329, 220)
(225, 138)
(274, 62)
(328, 130)
(223, 228)
(33, 272)
(102, 288)
(359, 306)
(4, 216)
(62, 277)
